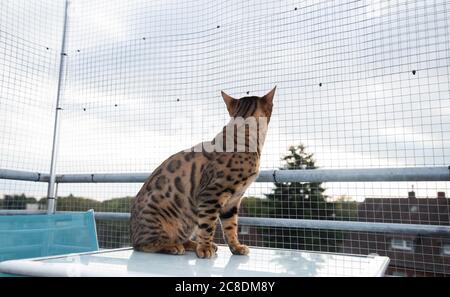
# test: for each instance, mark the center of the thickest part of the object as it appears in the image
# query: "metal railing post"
(51, 191)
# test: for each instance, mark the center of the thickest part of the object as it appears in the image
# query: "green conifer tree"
(295, 200)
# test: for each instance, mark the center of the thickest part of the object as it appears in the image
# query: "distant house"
(32, 206)
(411, 255)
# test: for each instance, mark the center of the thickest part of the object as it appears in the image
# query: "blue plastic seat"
(31, 236)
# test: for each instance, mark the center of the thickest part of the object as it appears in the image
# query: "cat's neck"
(240, 135)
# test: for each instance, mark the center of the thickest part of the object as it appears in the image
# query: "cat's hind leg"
(173, 249)
(191, 245)
(157, 247)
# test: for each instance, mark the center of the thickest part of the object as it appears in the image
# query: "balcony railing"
(317, 175)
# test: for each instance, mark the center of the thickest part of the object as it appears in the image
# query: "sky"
(363, 84)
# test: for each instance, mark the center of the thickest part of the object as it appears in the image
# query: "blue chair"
(31, 236)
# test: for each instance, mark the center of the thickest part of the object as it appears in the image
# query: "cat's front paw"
(240, 249)
(206, 250)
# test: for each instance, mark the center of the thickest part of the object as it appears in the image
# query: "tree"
(72, 203)
(295, 200)
(346, 208)
(17, 201)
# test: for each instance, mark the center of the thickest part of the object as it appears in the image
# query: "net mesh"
(360, 84)
(30, 45)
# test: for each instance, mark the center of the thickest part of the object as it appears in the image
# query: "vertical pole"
(51, 191)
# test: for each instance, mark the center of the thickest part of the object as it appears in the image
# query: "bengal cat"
(186, 195)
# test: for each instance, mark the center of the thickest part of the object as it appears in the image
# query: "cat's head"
(250, 106)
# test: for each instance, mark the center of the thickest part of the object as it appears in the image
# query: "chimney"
(441, 195)
(412, 194)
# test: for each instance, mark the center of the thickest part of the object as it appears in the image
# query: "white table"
(261, 262)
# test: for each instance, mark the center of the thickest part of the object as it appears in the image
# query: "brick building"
(411, 255)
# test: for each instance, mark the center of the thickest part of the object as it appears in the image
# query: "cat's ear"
(229, 101)
(268, 98)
